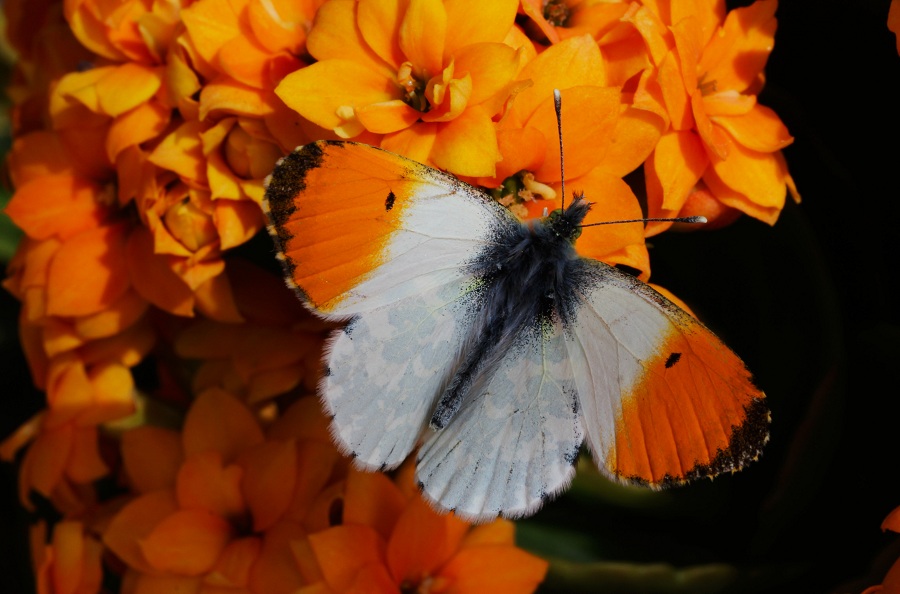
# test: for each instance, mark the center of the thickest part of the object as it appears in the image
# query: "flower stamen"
(556, 12)
(413, 88)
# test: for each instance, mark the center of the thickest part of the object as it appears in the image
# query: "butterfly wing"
(663, 400)
(513, 445)
(386, 369)
(372, 237)
(358, 227)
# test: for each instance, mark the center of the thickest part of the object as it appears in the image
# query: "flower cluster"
(143, 132)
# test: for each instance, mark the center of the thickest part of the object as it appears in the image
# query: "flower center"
(413, 88)
(556, 12)
(707, 87)
(519, 188)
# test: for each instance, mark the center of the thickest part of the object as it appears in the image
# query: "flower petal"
(218, 421)
(89, 273)
(343, 550)
(205, 482)
(760, 129)
(154, 279)
(496, 569)
(596, 111)
(672, 171)
(187, 542)
(387, 116)
(135, 521)
(422, 35)
(422, 541)
(319, 90)
(336, 35)
(570, 63)
(737, 55)
(379, 24)
(270, 472)
(58, 205)
(494, 21)
(151, 456)
(467, 145)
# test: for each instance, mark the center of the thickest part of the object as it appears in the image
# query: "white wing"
(387, 367)
(511, 447)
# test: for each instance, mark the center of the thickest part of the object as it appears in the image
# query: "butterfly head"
(565, 223)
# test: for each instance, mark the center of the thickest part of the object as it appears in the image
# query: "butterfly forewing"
(359, 227)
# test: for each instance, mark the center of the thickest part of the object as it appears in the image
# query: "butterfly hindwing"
(514, 444)
(385, 369)
(663, 399)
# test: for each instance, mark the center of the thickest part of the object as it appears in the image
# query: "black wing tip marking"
(745, 446)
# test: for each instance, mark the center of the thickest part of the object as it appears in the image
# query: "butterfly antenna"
(557, 105)
(697, 219)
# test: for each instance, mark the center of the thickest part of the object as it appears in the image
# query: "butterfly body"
(491, 344)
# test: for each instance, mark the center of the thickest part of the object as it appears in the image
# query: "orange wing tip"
(745, 446)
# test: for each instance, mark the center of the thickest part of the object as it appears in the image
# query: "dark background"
(809, 304)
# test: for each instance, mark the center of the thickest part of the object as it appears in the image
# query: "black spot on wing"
(673, 359)
(389, 201)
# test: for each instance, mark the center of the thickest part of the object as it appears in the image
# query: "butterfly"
(491, 344)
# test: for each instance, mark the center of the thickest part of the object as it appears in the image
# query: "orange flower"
(268, 345)
(130, 30)
(69, 562)
(893, 21)
(623, 49)
(220, 503)
(252, 42)
(423, 79)
(391, 541)
(719, 139)
(603, 137)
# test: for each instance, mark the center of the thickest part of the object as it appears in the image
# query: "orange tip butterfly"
(492, 344)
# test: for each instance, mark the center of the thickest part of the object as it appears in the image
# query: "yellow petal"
(379, 24)
(387, 117)
(467, 145)
(127, 86)
(422, 35)
(336, 35)
(491, 65)
(319, 90)
(573, 62)
(494, 21)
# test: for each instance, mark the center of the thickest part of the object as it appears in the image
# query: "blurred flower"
(70, 561)
(400, 544)
(423, 79)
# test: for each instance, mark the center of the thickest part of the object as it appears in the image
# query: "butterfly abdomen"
(525, 279)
